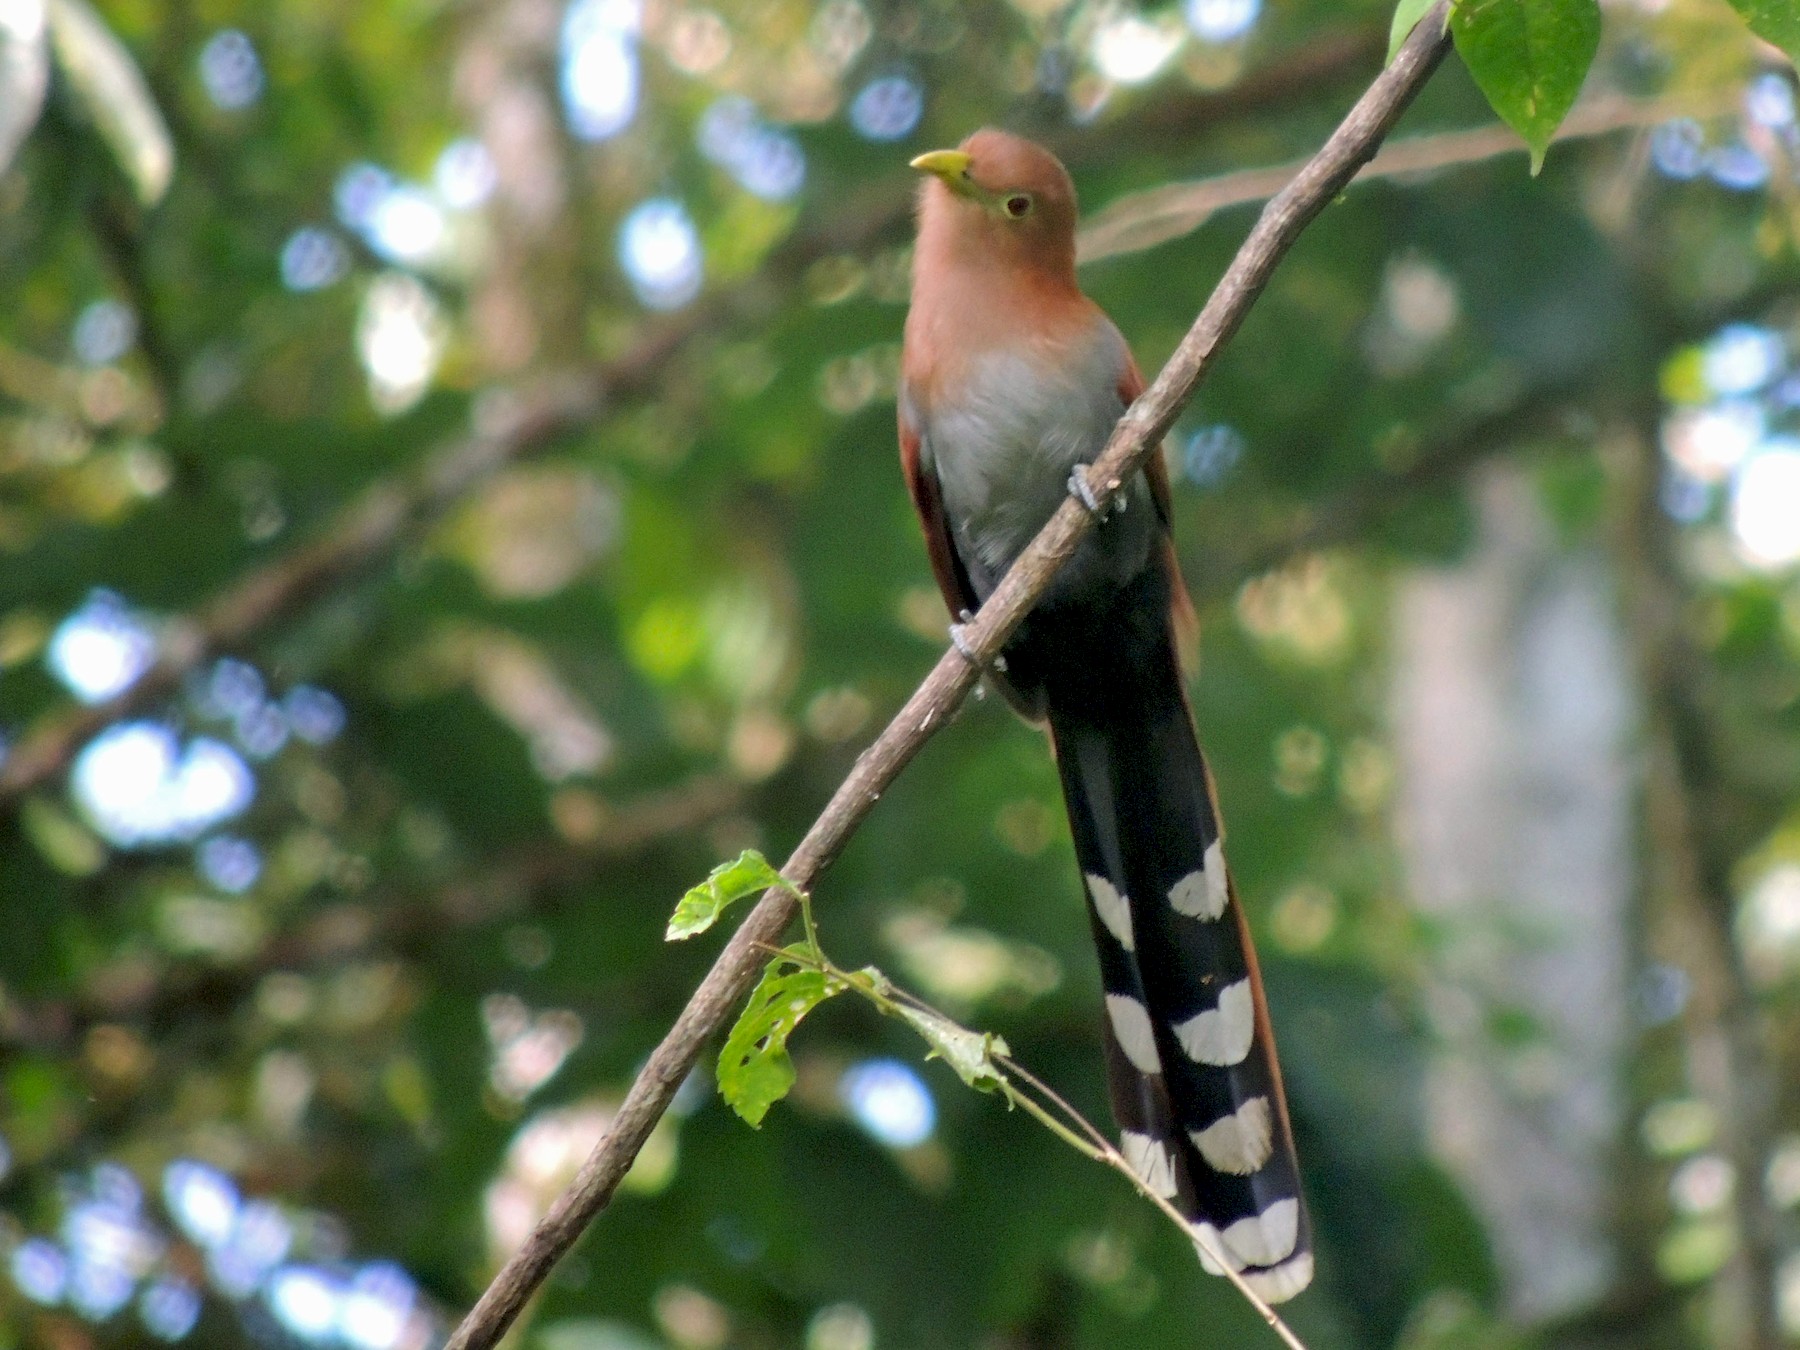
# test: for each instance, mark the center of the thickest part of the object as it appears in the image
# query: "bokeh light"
(1211, 454)
(1741, 358)
(230, 863)
(313, 259)
(169, 1309)
(659, 248)
(315, 715)
(599, 67)
(231, 70)
(306, 1301)
(104, 332)
(464, 176)
(358, 194)
(40, 1270)
(261, 732)
(890, 1101)
(1737, 166)
(1709, 442)
(202, 1200)
(765, 160)
(138, 785)
(1222, 20)
(400, 336)
(1678, 148)
(1130, 49)
(1769, 100)
(258, 1240)
(102, 649)
(840, 1326)
(375, 1309)
(887, 108)
(407, 227)
(1765, 505)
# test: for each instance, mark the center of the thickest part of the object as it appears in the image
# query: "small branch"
(363, 531)
(1137, 435)
(1160, 214)
(995, 1066)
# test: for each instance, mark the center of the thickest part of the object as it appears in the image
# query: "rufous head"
(999, 197)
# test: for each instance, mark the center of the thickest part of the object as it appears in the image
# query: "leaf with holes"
(1774, 21)
(748, 874)
(969, 1053)
(1529, 57)
(754, 1069)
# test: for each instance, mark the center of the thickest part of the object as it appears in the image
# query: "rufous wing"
(928, 501)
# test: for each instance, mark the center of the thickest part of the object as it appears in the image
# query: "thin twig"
(1051, 1095)
(1076, 1130)
(1157, 215)
(1137, 435)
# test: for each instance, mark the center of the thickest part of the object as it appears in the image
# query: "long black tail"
(1190, 1054)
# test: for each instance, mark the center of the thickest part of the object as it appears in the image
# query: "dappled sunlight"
(448, 502)
(890, 1101)
(101, 649)
(139, 784)
(660, 252)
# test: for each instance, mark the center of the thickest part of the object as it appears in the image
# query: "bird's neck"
(973, 295)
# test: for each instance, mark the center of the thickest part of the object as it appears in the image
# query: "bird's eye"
(1018, 205)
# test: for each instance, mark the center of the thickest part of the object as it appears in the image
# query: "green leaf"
(111, 89)
(1406, 18)
(1529, 57)
(969, 1053)
(1776, 21)
(754, 1069)
(748, 874)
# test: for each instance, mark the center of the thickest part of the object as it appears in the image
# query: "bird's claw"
(960, 641)
(1083, 492)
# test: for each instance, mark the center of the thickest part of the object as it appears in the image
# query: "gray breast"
(1003, 452)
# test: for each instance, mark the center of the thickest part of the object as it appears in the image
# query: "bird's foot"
(1083, 492)
(961, 643)
(959, 640)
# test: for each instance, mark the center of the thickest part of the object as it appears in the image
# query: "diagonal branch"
(1157, 215)
(1137, 435)
(522, 880)
(364, 530)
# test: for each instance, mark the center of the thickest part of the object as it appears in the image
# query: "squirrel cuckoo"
(1011, 382)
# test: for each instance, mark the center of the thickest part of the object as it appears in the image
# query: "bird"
(1011, 383)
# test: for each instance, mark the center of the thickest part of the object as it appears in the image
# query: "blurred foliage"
(325, 971)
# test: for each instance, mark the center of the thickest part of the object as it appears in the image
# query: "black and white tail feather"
(1195, 1084)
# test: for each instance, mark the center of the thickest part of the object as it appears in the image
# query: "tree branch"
(1156, 215)
(516, 883)
(364, 530)
(1136, 436)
